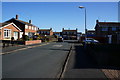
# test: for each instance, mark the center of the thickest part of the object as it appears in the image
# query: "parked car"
(60, 39)
(90, 41)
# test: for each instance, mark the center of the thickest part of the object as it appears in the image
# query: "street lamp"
(85, 23)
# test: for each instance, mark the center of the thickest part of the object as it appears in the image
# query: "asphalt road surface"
(43, 61)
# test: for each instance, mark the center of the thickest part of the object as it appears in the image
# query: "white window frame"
(8, 33)
(32, 28)
(29, 27)
(26, 26)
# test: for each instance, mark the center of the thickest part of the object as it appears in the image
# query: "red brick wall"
(51, 33)
(13, 29)
(32, 42)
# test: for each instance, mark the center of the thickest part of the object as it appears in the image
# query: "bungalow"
(27, 28)
(9, 30)
(45, 32)
(69, 34)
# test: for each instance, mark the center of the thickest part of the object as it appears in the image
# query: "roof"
(109, 23)
(90, 30)
(7, 24)
(19, 23)
(69, 30)
(56, 32)
(44, 29)
(23, 22)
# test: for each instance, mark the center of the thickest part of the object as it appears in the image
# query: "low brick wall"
(32, 42)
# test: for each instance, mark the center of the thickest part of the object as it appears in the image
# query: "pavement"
(10, 49)
(81, 66)
(38, 61)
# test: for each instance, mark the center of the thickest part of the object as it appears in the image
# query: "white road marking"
(57, 45)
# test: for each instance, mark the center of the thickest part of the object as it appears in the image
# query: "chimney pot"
(63, 29)
(16, 16)
(50, 28)
(97, 21)
(30, 21)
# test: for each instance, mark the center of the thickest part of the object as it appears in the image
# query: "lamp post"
(85, 24)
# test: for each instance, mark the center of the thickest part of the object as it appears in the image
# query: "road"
(43, 61)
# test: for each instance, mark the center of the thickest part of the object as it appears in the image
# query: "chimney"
(16, 16)
(63, 29)
(50, 28)
(76, 29)
(97, 21)
(30, 21)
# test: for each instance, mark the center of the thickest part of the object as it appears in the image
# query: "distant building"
(57, 33)
(69, 34)
(45, 32)
(108, 29)
(9, 30)
(27, 28)
(90, 33)
(79, 35)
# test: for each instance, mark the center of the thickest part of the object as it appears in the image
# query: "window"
(67, 32)
(113, 28)
(7, 33)
(104, 29)
(48, 32)
(26, 26)
(32, 28)
(29, 27)
(15, 33)
(74, 32)
(35, 28)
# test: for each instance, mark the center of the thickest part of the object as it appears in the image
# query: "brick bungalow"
(43, 32)
(27, 27)
(69, 34)
(110, 30)
(8, 30)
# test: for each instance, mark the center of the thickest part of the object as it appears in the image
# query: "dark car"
(60, 39)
